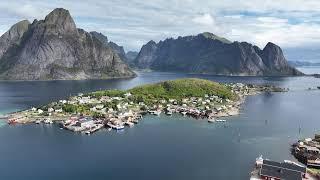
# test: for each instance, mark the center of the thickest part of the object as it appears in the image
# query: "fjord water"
(159, 147)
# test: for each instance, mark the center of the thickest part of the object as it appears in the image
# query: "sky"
(292, 24)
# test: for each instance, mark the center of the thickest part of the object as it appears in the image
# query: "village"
(88, 113)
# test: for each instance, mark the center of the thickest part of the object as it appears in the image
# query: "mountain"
(119, 50)
(54, 48)
(115, 47)
(303, 63)
(131, 56)
(126, 57)
(210, 54)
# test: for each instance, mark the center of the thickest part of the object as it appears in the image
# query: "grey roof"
(283, 165)
(277, 172)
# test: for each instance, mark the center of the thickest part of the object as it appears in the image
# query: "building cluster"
(91, 112)
(307, 151)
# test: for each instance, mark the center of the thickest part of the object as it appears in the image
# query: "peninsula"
(197, 98)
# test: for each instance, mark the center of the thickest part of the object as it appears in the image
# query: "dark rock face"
(148, 56)
(210, 54)
(131, 56)
(102, 38)
(126, 57)
(119, 50)
(54, 48)
(115, 47)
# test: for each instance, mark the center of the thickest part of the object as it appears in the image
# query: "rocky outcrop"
(54, 48)
(210, 54)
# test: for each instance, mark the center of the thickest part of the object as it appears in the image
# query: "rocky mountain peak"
(54, 48)
(13, 36)
(18, 29)
(100, 37)
(210, 54)
(209, 35)
(61, 19)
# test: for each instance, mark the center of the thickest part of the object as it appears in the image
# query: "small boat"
(12, 122)
(157, 113)
(130, 124)
(88, 132)
(184, 113)
(48, 121)
(169, 113)
(220, 120)
(211, 120)
(135, 121)
(118, 127)
(38, 121)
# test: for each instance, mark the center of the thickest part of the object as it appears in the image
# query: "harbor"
(196, 145)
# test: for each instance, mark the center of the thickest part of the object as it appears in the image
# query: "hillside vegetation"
(175, 89)
(184, 88)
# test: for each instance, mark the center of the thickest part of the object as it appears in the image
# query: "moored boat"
(211, 120)
(221, 120)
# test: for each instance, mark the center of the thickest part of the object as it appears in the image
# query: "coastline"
(129, 112)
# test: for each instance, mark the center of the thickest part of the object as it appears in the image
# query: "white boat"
(220, 120)
(211, 120)
(157, 113)
(48, 121)
(118, 127)
(38, 121)
(130, 124)
(184, 113)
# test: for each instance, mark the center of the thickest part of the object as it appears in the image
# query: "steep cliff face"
(115, 47)
(119, 50)
(147, 55)
(13, 36)
(54, 48)
(208, 53)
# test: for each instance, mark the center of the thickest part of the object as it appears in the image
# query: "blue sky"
(292, 24)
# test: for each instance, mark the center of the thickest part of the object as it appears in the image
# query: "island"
(114, 109)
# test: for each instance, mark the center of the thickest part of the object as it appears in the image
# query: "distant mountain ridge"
(210, 54)
(303, 63)
(54, 48)
(126, 57)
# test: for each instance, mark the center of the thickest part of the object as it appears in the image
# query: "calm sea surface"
(158, 148)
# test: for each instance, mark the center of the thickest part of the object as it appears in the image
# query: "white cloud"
(205, 19)
(289, 23)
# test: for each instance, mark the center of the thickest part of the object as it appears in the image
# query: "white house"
(50, 110)
(40, 111)
(59, 110)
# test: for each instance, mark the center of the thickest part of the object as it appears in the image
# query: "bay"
(159, 147)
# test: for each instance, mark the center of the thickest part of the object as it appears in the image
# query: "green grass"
(182, 88)
(314, 171)
(111, 93)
